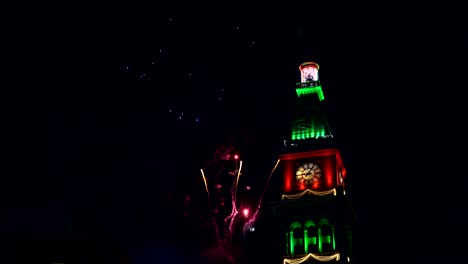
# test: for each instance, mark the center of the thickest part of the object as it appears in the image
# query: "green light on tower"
(310, 90)
(310, 121)
(333, 237)
(310, 132)
(320, 240)
(292, 240)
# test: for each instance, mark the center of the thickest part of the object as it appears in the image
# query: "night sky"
(135, 99)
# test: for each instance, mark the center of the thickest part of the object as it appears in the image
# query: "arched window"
(310, 237)
(326, 236)
(296, 235)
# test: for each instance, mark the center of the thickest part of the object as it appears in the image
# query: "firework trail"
(209, 203)
(253, 218)
(230, 218)
(206, 185)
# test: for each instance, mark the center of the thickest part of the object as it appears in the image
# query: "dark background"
(116, 157)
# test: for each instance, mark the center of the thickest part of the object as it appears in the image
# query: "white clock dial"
(308, 173)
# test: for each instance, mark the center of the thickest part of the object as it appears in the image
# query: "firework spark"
(253, 218)
(229, 220)
(206, 185)
(209, 202)
(230, 225)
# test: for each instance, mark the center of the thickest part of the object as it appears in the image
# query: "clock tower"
(312, 217)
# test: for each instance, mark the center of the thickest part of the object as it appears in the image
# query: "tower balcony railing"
(309, 143)
(308, 84)
(310, 87)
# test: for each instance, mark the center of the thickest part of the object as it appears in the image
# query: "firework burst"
(231, 224)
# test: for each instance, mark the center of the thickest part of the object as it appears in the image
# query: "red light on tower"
(236, 156)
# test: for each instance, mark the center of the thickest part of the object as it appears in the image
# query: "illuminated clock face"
(308, 173)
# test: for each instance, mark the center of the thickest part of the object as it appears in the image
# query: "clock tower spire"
(312, 217)
(310, 126)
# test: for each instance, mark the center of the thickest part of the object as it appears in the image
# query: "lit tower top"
(310, 82)
(310, 122)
